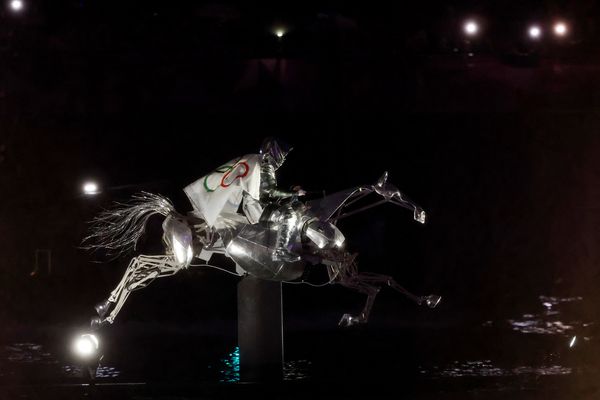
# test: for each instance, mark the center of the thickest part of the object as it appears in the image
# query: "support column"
(260, 330)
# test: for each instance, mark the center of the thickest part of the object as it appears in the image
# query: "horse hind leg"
(142, 270)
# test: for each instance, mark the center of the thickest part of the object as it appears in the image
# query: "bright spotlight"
(90, 188)
(16, 5)
(535, 32)
(560, 29)
(471, 28)
(86, 345)
(279, 33)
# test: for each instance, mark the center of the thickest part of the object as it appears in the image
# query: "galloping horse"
(316, 239)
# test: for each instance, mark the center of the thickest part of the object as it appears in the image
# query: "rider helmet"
(274, 151)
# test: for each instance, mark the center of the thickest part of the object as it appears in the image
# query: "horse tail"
(118, 229)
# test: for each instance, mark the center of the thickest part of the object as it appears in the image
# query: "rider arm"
(268, 184)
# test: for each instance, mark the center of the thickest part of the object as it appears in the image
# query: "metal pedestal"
(260, 330)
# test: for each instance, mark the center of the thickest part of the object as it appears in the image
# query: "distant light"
(86, 345)
(90, 188)
(471, 28)
(560, 29)
(279, 33)
(548, 305)
(572, 343)
(535, 32)
(16, 5)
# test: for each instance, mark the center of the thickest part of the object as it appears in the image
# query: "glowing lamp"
(86, 345)
(471, 28)
(90, 188)
(560, 29)
(16, 5)
(535, 32)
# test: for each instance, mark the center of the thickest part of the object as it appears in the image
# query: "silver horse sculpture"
(316, 239)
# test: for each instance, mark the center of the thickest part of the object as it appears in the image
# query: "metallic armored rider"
(273, 154)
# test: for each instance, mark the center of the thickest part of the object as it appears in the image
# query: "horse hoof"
(432, 300)
(102, 308)
(96, 323)
(348, 320)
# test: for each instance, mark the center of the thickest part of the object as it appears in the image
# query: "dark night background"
(498, 140)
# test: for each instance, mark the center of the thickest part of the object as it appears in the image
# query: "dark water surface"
(547, 351)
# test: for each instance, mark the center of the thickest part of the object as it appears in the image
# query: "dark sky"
(499, 148)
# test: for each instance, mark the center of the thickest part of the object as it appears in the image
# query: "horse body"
(315, 238)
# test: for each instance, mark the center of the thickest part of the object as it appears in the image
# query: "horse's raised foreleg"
(345, 273)
(371, 292)
(370, 284)
(378, 279)
(142, 270)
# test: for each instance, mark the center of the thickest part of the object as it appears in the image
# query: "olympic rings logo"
(227, 179)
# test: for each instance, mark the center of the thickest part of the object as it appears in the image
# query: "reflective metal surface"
(252, 248)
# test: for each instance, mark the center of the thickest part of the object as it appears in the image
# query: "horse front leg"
(346, 274)
(431, 300)
(363, 317)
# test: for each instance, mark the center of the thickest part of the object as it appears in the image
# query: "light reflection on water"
(296, 370)
(229, 370)
(101, 372)
(550, 321)
(32, 354)
(553, 317)
(230, 367)
(27, 353)
(536, 324)
(485, 368)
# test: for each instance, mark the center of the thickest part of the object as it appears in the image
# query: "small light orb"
(90, 188)
(86, 345)
(535, 32)
(16, 5)
(279, 33)
(471, 28)
(560, 29)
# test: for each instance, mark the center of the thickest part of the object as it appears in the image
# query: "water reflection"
(229, 370)
(547, 340)
(32, 358)
(27, 353)
(485, 368)
(107, 372)
(102, 372)
(297, 370)
(230, 367)
(550, 321)
(553, 318)
(530, 323)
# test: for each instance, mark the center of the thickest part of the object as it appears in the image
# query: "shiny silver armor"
(273, 154)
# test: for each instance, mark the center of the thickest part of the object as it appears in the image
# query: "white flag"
(222, 190)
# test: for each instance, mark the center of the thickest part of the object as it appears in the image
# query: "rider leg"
(287, 220)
